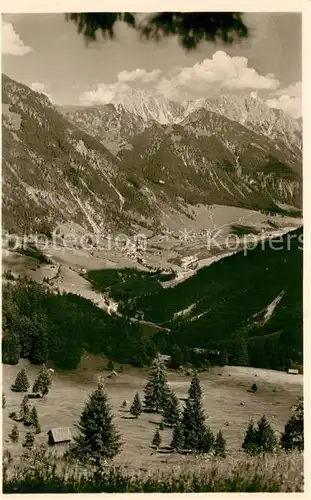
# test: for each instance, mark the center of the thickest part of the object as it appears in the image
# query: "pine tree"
(176, 357)
(206, 440)
(177, 443)
(136, 407)
(197, 437)
(29, 440)
(3, 401)
(14, 434)
(11, 349)
(21, 383)
(34, 419)
(260, 438)
(195, 390)
(192, 443)
(171, 412)
(250, 442)
(156, 440)
(24, 409)
(43, 382)
(98, 439)
(293, 435)
(240, 353)
(156, 389)
(265, 436)
(220, 445)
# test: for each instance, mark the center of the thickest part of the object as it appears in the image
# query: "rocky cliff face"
(54, 172)
(129, 162)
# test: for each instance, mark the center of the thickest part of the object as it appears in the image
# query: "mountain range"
(126, 163)
(133, 162)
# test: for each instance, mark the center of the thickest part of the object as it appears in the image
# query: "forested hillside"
(40, 325)
(254, 295)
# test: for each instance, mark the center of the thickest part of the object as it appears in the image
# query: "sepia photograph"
(152, 252)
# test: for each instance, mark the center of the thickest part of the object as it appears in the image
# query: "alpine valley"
(173, 173)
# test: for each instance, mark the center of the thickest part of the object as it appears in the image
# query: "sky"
(46, 53)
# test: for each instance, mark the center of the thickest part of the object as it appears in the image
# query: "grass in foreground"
(41, 473)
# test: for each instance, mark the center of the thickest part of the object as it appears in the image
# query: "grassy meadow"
(228, 405)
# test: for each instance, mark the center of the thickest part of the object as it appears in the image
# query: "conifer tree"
(293, 435)
(259, 439)
(197, 436)
(195, 390)
(171, 412)
(177, 443)
(43, 382)
(206, 440)
(21, 383)
(29, 440)
(176, 357)
(34, 419)
(250, 443)
(136, 407)
(11, 349)
(265, 436)
(98, 439)
(3, 401)
(156, 440)
(156, 389)
(24, 409)
(240, 353)
(220, 445)
(14, 434)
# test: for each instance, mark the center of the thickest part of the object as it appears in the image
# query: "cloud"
(139, 75)
(288, 100)
(40, 87)
(207, 78)
(290, 105)
(294, 90)
(12, 44)
(103, 93)
(221, 72)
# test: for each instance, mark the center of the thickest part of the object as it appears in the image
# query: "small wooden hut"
(59, 435)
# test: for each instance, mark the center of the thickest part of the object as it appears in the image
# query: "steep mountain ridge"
(254, 114)
(54, 172)
(210, 159)
(112, 125)
(58, 170)
(142, 107)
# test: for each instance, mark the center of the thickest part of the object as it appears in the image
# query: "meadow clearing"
(228, 405)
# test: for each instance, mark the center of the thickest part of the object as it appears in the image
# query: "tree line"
(42, 325)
